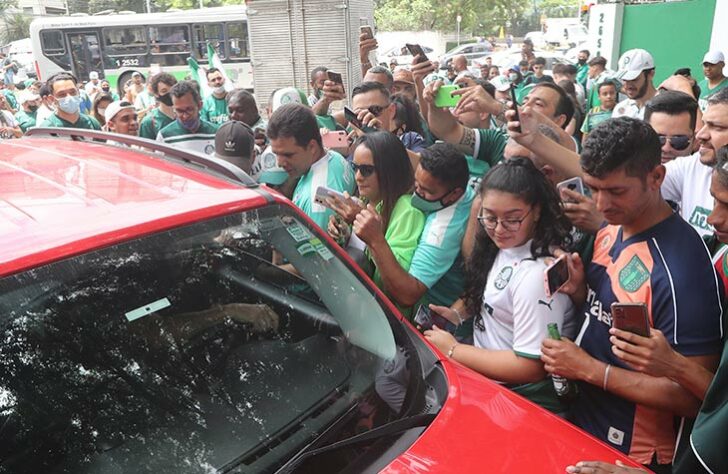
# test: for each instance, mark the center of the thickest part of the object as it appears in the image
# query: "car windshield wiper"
(394, 427)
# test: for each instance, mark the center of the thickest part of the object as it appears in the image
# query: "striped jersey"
(201, 141)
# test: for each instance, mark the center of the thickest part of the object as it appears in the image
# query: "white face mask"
(219, 90)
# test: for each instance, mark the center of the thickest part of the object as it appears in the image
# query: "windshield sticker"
(321, 249)
(298, 232)
(305, 249)
(269, 224)
(147, 309)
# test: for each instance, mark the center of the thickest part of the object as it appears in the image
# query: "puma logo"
(546, 303)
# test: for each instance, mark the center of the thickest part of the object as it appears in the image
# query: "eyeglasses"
(678, 142)
(511, 225)
(377, 110)
(365, 170)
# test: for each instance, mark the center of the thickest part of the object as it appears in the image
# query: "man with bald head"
(460, 63)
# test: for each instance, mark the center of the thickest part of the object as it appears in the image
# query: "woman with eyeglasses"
(521, 220)
(385, 181)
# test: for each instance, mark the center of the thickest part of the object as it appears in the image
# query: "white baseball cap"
(27, 96)
(93, 75)
(501, 83)
(633, 62)
(288, 95)
(713, 57)
(115, 107)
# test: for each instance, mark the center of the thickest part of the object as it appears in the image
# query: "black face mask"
(165, 99)
(582, 62)
(106, 89)
(33, 108)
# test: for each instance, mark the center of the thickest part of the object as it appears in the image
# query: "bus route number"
(127, 62)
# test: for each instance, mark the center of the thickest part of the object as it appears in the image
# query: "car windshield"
(227, 345)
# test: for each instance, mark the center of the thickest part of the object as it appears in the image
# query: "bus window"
(125, 41)
(52, 43)
(237, 34)
(170, 44)
(204, 33)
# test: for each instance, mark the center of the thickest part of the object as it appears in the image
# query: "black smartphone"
(352, 118)
(415, 50)
(556, 275)
(631, 317)
(335, 77)
(515, 107)
(423, 318)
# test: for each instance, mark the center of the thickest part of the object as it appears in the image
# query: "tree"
(17, 26)
(559, 8)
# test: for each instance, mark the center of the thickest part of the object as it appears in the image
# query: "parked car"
(472, 51)
(400, 54)
(151, 322)
(538, 39)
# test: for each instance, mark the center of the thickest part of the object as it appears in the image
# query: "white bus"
(117, 45)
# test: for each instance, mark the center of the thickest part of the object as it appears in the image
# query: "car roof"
(61, 197)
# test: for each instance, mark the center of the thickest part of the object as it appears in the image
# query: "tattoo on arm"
(467, 141)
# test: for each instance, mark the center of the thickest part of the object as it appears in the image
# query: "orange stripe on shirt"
(627, 274)
(653, 431)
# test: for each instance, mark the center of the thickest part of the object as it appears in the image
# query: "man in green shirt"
(582, 73)
(67, 99)
(215, 106)
(9, 96)
(296, 141)
(188, 131)
(713, 64)
(26, 116)
(162, 115)
(597, 74)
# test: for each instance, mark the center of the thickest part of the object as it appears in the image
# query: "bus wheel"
(123, 80)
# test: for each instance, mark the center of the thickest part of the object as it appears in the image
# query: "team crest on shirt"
(209, 149)
(633, 275)
(504, 276)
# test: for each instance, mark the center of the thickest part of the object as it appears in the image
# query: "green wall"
(677, 34)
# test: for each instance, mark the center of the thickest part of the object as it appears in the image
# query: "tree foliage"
(16, 26)
(480, 17)
(559, 8)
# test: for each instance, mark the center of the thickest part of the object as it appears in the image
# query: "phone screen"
(631, 317)
(515, 107)
(415, 50)
(367, 30)
(352, 118)
(335, 77)
(423, 318)
(557, 275)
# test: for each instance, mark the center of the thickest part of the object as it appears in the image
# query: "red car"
(152, 321)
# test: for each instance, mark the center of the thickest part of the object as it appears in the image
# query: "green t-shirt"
(25, 119)
(10, 97)
(403, 233)
(201, 141)
(85, 122)
(582, 74)
(326, 121)
(154, 121)
(331, 171)
(488, 151)
(706, 93)
(594, 118)
(214, 110)
(437, 262)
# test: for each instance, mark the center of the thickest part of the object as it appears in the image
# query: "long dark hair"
(517, 176)
(394, 171)
(407, 114)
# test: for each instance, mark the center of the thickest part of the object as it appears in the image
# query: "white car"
(472, 51)
(400, 54)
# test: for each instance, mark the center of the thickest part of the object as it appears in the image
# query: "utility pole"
(459, 19)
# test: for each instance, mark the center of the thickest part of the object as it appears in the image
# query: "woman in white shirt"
(521, 221)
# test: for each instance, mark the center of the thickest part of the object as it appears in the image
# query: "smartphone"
(631, 317)
(335, 77)
(353, 119)
(555, 276)
(423, 318)
(366, 30)
(322, 193)
(444, 99)
(337, 139)
(515, 107)
(415, 50)
(573, 184)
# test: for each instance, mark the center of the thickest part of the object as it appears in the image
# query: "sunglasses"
(365, 170)
(677, 142)
(377, 110)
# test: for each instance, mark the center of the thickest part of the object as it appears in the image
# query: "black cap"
(234, 141)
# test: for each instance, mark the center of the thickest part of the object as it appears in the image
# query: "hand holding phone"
(631, 317)
(335, 77)
(574, 184)
(423, 318)
(336, 139)
(416, 50)
(514, 107)
(444, 97)
(556, 276)
(353, 119)
(323, 194)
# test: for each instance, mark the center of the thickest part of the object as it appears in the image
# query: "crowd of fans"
(458, 208)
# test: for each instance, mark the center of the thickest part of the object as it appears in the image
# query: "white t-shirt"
(629, 108)
(687, 182)
(515, 309)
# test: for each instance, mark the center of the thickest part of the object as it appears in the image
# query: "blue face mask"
(418, 202)
(70, 104)
(191, 125)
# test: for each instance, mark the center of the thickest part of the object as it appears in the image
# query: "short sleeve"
(489, 146)
(533, 310)
(674, 175)
(404, 230)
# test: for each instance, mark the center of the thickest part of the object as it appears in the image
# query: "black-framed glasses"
(511, 225)
(365, 170)
(377, 110)
(678, 142)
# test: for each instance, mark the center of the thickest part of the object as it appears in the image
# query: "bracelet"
(449, 353)
(460, 318)
(606, 377)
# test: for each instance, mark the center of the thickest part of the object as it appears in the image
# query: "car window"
(228, 344)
